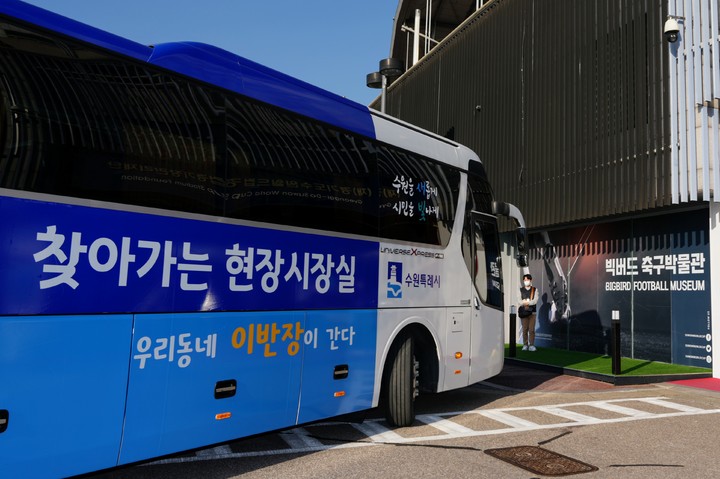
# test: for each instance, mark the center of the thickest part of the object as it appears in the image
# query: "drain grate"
(540, 461)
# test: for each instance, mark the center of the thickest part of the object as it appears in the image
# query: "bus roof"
(211, 65)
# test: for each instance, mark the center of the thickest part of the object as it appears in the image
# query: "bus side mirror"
(521, 243)
(521, 240)
(522, 260)
(501, 208)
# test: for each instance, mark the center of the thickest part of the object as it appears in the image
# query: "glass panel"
(78, 122)
(285, 169)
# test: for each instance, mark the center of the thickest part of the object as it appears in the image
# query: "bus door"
(487, 330)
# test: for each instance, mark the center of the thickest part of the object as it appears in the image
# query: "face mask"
(527, 283)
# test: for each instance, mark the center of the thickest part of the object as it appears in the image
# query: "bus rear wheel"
(401, 384)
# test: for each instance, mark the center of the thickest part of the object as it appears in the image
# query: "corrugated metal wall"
(695, 93)
(564, 100)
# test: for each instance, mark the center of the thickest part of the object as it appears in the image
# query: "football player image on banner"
(656, 274)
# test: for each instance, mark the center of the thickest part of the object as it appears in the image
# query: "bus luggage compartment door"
(204, 378)
(62, 385)
(338, 374)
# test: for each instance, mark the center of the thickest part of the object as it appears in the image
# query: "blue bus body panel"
(215, 66)
(66, 26)
(65, 259)
(171, 403)
(63, 381)
(219, 67)
(344, 338)
(277, 360)
(96, 305)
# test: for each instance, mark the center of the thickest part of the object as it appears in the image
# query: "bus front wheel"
(401, 384)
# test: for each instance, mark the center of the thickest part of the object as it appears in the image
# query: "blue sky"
(330, 43)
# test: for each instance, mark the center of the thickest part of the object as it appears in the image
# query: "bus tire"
(401, 384)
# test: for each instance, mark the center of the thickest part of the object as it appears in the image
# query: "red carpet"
(707, 383)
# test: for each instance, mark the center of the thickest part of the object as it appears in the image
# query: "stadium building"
(600, 121)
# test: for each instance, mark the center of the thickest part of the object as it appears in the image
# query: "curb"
(608, 378)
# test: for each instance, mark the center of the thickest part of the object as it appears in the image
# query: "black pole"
(513, 332)
(616, 369)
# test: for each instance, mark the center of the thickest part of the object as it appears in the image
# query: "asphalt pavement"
(602, 430)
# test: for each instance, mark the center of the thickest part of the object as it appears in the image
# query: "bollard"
(513, 332)
(616, 369)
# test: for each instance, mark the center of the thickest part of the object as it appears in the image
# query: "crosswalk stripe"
(625, 411)
(298, 438)
(223, 450)
(444, 425)
(671, 405)
(571, 415)
(508, 419)
(378, 433)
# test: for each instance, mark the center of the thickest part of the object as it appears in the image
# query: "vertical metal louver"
(567, 102)
(695, 100)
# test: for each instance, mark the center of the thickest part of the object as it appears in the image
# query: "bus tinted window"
(480, 192)
(78, 122)
(418, 198)
(287, 170)
(82, 124)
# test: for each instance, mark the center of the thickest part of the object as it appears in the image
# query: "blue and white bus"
(195, 248)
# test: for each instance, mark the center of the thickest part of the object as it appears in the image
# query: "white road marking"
(508, 419)
(300, 440)
(214, 452)
(672, 405)
(571, 415)
(443, 425)
(626, 411)
(377, 432)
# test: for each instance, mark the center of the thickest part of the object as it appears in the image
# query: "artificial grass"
(596, 363)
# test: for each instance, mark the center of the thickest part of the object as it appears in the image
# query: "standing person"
(526, 311)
